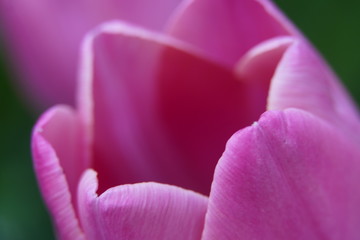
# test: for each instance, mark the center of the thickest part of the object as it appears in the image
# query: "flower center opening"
(174, 129)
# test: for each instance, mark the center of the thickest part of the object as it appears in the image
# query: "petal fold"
(291, 175)
(57, 164)
(140, 211)
(265, 56)
(303, 80)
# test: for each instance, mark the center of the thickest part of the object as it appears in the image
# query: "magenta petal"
(141, 211)
(45, 38)
(57, 164)
(226, 29)
(117, 104)
(302, 80)
(292, 175)
(159, 111)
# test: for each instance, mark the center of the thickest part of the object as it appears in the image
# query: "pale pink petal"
(265, 56)
(57, 164)
(258, 65)
(303, 80)
(226, 29)
(291, 175)
(148, 211)
(45, 38)
(160, 112)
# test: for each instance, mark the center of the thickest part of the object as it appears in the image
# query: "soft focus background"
(332, 26)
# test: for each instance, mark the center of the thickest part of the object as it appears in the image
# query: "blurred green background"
(332, 26)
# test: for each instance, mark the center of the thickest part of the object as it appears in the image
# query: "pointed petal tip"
(270, 172)
(140, 211)
(49, 114)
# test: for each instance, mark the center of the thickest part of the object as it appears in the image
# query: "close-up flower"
(195, 119)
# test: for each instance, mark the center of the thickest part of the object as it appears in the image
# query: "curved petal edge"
(140, 211)
(291, 175)
(52, 180)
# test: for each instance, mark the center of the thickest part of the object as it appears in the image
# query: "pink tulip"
(157, 109)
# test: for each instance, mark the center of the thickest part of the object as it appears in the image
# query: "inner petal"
(163, 113)
(226, 29)
(202, 104)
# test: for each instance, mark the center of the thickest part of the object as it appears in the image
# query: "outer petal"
(303, 80)
(160, 112)
(226, 29)
(292, 175)
(140, 211)
(45, 37)
(54, 143)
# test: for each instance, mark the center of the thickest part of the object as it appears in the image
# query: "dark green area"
(331, 25)
(22, 213)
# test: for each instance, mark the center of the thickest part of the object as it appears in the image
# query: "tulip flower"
(228, 125)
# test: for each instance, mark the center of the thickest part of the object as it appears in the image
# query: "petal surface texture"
(303, 80)
(46, 35)
(140, 211)
(291, 175)
(226, 29)
(57, 164)
(159, 111)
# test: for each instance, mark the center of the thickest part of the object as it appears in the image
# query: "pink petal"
(140, 211)
(292, 175)
(226, 29)
(302, 80)
(276, 13)
(265, 56)
(57, 163)
(45, 37)
(160, 112)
